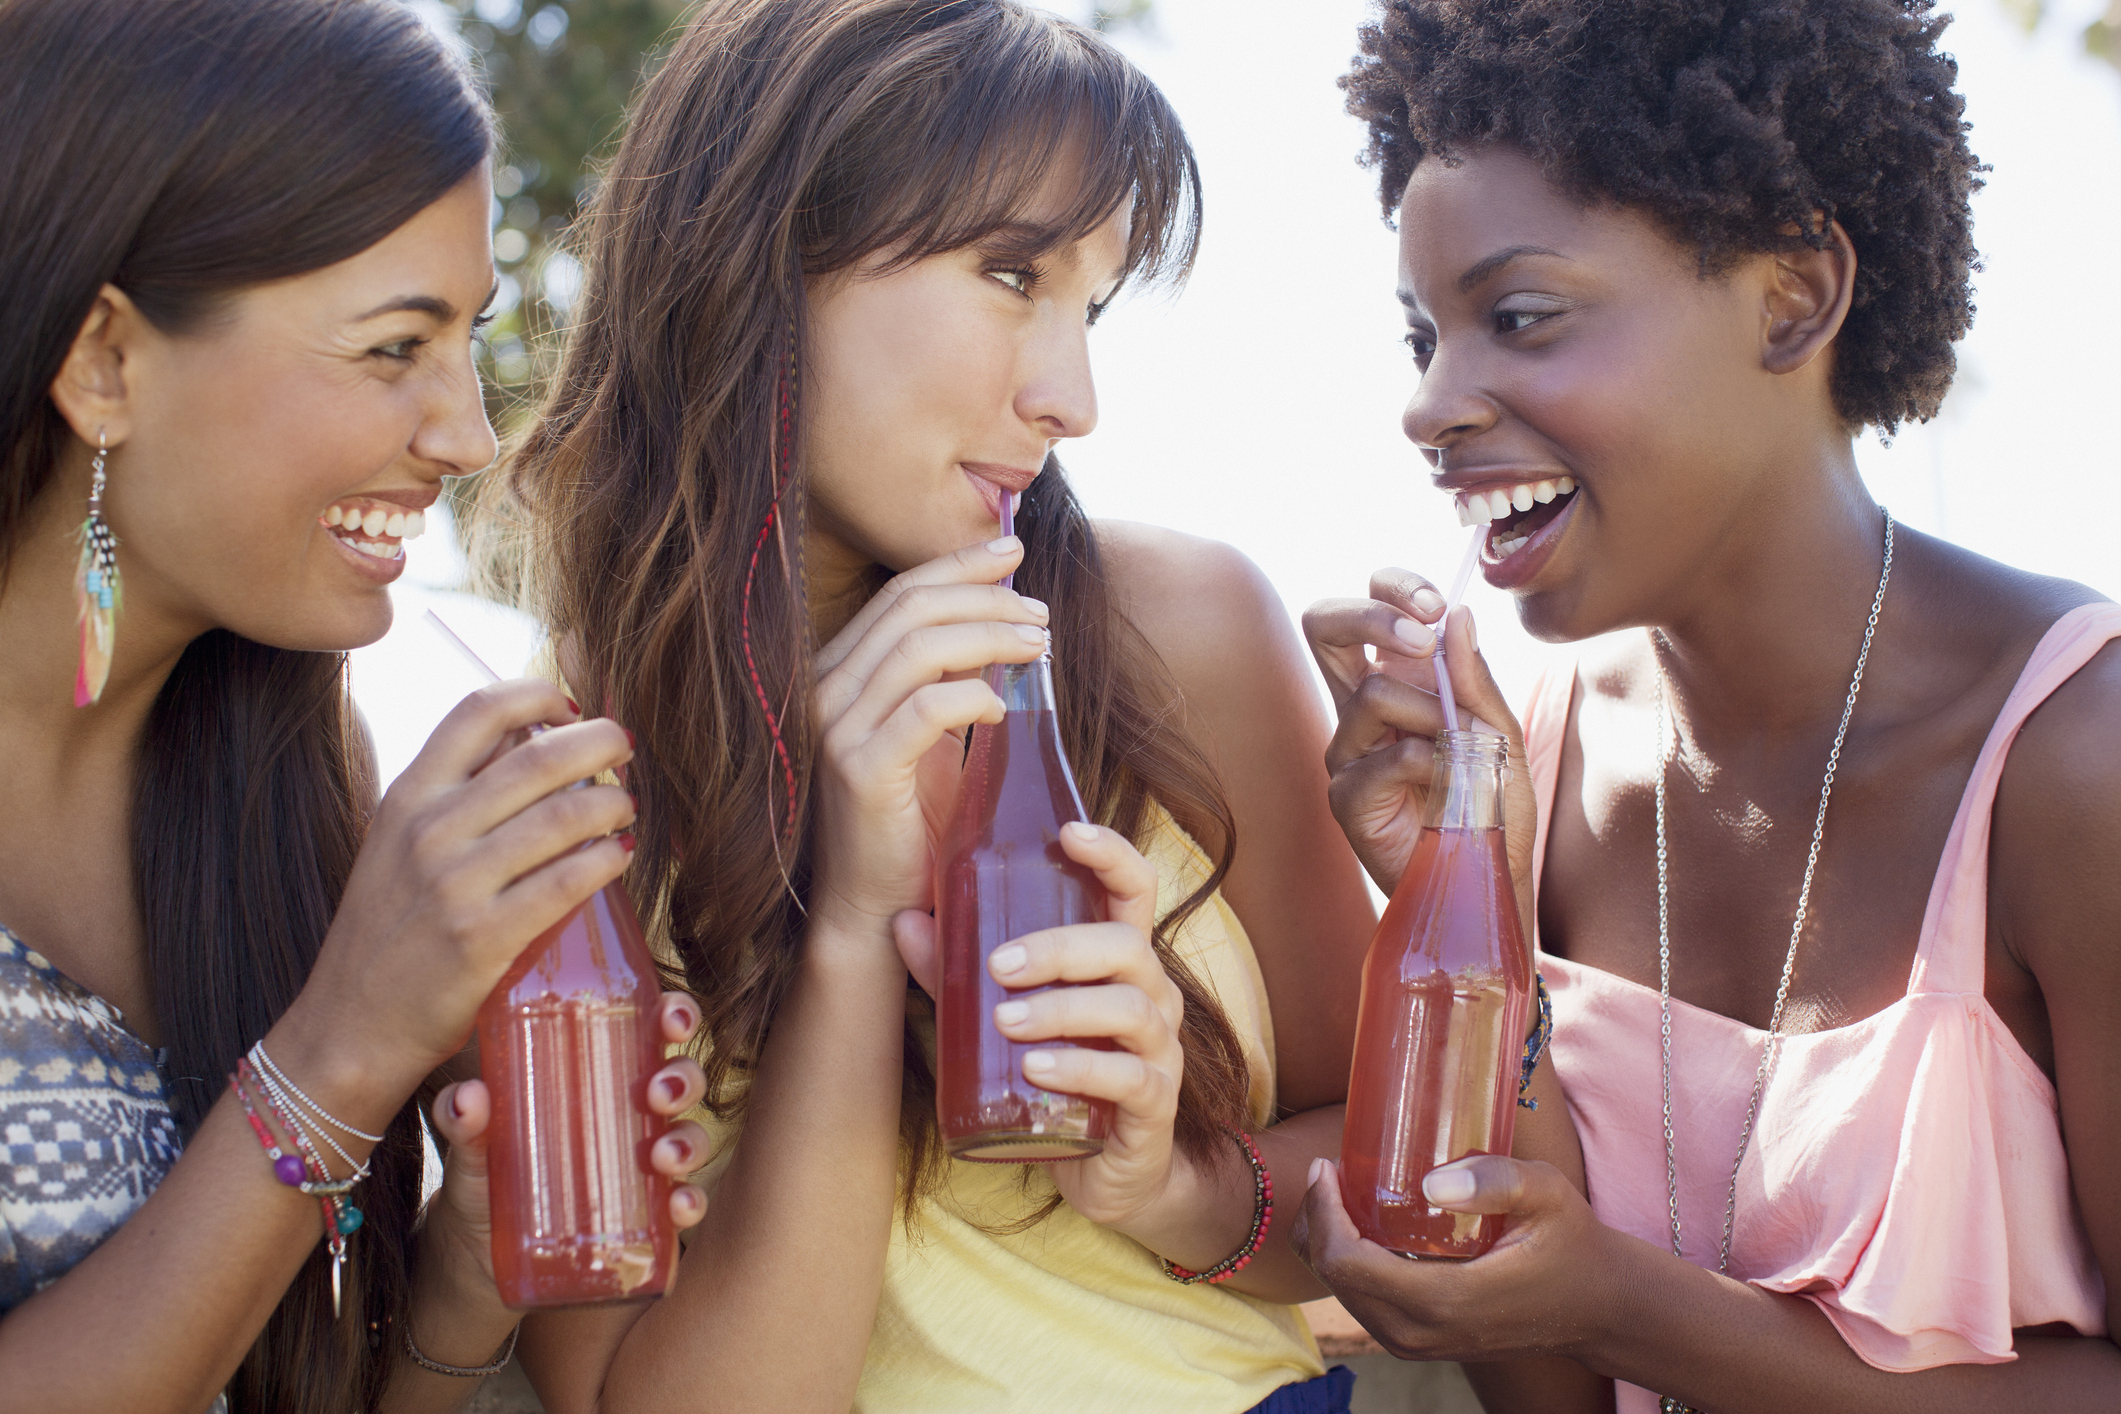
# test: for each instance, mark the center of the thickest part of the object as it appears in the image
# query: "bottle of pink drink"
(567, 1043)
(1446, 992)
(1000, 874)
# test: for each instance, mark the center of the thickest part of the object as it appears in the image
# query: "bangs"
(1010, 129)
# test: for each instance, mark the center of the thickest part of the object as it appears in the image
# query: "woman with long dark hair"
(242, 247)
(840, 282)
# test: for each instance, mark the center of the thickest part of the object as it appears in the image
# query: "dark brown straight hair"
(784, 141)
(183, 150)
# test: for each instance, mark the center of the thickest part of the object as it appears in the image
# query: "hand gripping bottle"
(1446, 993)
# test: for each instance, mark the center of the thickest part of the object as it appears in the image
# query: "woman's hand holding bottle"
(477, 848)
(1381, 755)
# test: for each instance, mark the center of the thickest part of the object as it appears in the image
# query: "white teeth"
(1476, 509)
(415, 525)
(372, 523)
(1465, 517)
(1543, 492)
(333, 516)
(395, 526)
(1521, 497)
(1565, 485)
(1498, 504)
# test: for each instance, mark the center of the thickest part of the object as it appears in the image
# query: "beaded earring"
(98, 592)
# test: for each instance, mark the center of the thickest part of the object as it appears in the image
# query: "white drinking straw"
(461, 646)
(1443, 669)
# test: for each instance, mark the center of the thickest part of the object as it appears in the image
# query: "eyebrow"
(1485, 267)
(440, 309)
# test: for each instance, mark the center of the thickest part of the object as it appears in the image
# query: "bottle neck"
(1465, 791)
(1024, 687)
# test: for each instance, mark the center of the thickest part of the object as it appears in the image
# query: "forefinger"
(475, 727)
(1338, 630)
(974, 564)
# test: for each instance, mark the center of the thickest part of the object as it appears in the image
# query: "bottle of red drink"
(1446, 992)
(567, 1043)
(1000, 874)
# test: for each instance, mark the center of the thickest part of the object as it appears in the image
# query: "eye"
(482, 321)
(402, 351)
(1516, 321)
(1097, 310)
(1422, 342)
(1019, 280)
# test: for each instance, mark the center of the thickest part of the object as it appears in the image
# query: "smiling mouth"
(375, 531)
(1515, 514)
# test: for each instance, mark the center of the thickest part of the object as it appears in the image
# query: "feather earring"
(98, 592)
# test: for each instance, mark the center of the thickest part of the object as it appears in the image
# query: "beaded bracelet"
(1262, 1216)
(305, 1172)
(1535, 1045)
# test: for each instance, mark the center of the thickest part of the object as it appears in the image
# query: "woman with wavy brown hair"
(840, 278)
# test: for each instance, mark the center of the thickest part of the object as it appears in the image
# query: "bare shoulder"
(1203, 605)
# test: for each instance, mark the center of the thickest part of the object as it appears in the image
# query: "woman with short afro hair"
(1822, 863)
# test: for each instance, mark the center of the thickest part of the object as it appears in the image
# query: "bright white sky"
(1261, 407)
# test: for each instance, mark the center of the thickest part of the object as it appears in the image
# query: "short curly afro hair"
(1736, 123)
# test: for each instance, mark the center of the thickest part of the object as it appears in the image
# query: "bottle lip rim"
(1467, 743)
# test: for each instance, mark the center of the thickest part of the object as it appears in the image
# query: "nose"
(1056, 393)
(455, 436)
(1448, 405)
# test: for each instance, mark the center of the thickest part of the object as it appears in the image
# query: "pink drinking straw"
(1443, 669)
(435, 620)
(1008, 529)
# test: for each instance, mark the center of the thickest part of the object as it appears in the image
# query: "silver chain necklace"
(1669, 1405)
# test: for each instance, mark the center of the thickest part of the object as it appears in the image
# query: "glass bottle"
(568, 1041)
(1000, 874)
(1446, 992)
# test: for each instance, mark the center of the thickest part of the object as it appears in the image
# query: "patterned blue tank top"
(85, 1127)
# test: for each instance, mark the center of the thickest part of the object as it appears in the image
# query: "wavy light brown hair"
(781, 142)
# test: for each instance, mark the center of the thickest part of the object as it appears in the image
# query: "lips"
(991, 479)
(1527, 514)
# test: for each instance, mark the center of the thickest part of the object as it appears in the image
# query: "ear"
(92, 391)
(1807, 301)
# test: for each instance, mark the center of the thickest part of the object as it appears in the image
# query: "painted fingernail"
(672, 1088)
(1007, 545)
(684, 1018)
(631, 740)
(1449, 1185)
(679, 1149)
(1428, 600)
(1414, 633)
(626, 841)
(1032, 635)
(456, 1101)
(633, 803)
(1009, 1013)
(573, 708)
(1038, 1062)
(1081, 830)
(1036, 606)
(1009, 959)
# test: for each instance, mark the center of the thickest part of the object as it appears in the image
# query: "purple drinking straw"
(1458, 588)
(1009, 529)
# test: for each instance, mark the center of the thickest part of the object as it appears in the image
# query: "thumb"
(1489, 1183)
(914, 932)
(462, 1113)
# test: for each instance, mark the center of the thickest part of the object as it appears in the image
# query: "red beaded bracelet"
(1262, 1217)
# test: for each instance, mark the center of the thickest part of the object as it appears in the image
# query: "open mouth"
(1516, 514)
(379, 532)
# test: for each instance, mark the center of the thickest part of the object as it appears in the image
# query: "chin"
(341, 628)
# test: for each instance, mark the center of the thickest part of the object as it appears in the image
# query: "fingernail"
(1009, 959)
(1428, 600)
(1009, 1013)
(680, 1149)
(1082, 830)
(684, 1018)
(1036, 606)
(672, 1088)
(1318, 1170)
(626, 841)
(633, 803)
(1007, 545)
(630, 739)
(1448, 1185)
(1414, 633)
(1031, 635)
(1039, 1061)
(456, 1101)
(573, 708)
(1472, 633)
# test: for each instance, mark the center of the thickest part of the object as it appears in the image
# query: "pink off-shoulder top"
(1906, 1172)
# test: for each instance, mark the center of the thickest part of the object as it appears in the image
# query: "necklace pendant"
(1669, 1405)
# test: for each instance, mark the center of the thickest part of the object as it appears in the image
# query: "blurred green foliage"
(2102, 37)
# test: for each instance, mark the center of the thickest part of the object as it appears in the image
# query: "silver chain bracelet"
(493, 1367)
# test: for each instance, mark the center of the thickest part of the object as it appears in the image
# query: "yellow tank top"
(1068, 1315)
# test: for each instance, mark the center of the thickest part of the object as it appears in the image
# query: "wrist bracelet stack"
(1262, 1216)
(303, 1120)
